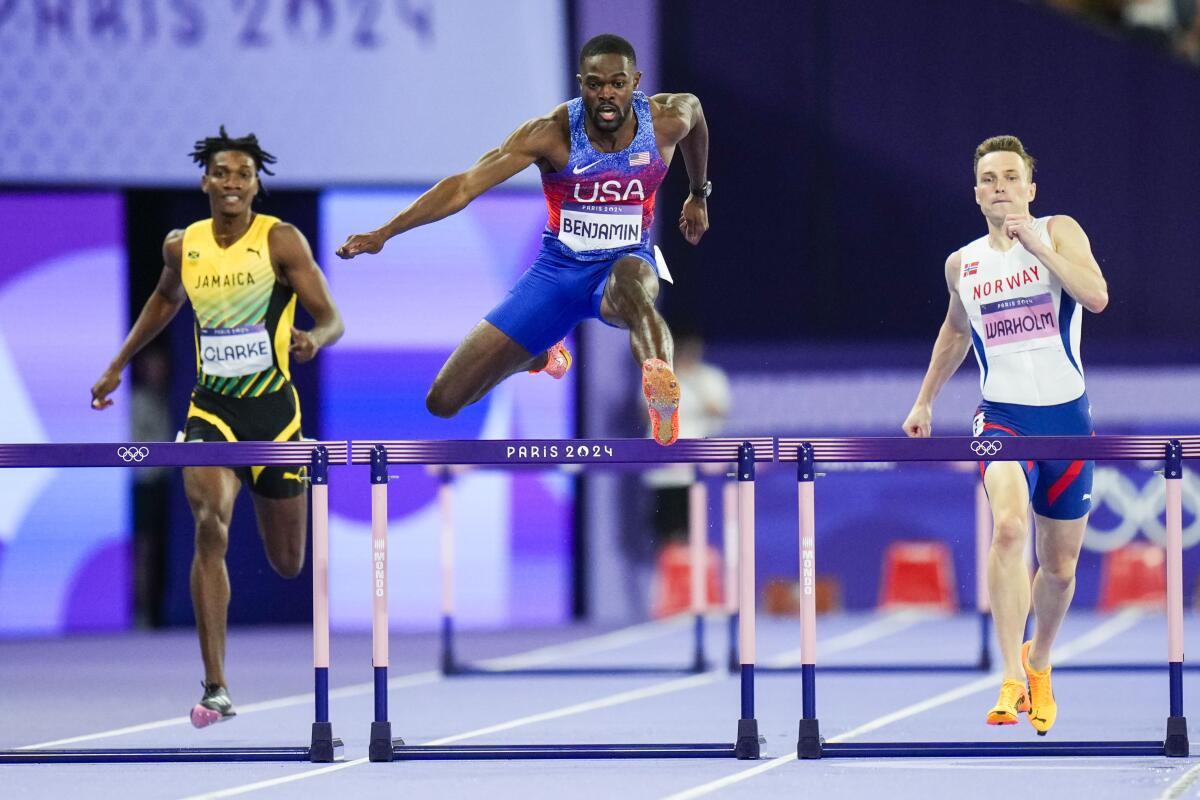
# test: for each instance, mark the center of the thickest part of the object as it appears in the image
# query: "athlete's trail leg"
(484, 358)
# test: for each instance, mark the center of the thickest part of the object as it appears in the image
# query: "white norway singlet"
(1024, 327)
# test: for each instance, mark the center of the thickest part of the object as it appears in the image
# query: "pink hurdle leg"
(322, 747)
(747, 745)
(380, 748)
(698, 558)
(446, 511)
(808, 744)
(1176, 743)
(730, 547)
(983, 543)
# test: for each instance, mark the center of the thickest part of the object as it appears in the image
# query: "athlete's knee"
(212, 532)
(1059, 568)
(1010, 530)
(440, 404)
(287, 560)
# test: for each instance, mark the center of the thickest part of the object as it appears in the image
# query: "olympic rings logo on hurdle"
(1139, 510)
(986, 447)
(132, 455)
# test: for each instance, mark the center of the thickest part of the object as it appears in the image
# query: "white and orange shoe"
(558, 361)
(661, 389)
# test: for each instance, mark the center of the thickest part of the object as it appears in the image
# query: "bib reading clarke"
(234, 352)
(600, 226)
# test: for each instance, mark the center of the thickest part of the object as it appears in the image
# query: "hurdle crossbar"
(586, 452)
(322, 747)
(806, 452)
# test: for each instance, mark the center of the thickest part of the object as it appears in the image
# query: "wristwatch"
(703, 191)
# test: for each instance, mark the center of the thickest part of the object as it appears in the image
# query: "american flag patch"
(970, 268)
(639, 159)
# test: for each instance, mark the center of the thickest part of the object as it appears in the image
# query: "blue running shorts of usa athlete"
(554, 295)
(1057, 489)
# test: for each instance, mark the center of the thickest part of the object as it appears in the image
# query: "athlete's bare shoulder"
(953, 269)
(546, 138)
(539, 134)
(173, 247)
(673, 115)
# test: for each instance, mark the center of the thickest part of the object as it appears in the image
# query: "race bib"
(233, 352)
(1020, 323)
(600, 226)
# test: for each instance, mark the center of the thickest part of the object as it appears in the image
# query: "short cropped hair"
(604, 44)
(1006, 144)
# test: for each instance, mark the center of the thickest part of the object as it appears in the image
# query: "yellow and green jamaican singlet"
(243, 314)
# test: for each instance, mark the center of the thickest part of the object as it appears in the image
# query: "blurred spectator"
(1189, 37)
(150, 422)
(1171, 24)
(703, 407)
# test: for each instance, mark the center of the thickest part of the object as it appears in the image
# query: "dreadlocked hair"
(206, 148)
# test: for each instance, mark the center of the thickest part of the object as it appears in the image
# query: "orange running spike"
(661, 389)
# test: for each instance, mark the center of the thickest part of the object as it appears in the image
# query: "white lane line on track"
(355, 690)
(654, 690)
(272, 782)
(1176, 789)
(1106, 630)
(623, 697)
(872, 631)
(620, 698)
(593, 644)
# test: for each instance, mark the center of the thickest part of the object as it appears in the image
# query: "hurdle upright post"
(808, 745)
(729, 534)
(322, 748)
(381, 728)
(983, 543)
(747, 746)
(1176, 743)
(446, 518)
(698, 551)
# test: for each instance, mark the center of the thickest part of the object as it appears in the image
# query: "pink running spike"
(558, 361)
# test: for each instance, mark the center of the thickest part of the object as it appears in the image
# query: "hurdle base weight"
(324, 748)
(1176, 744)
(747, 745)
(381, 741)
(809, 743)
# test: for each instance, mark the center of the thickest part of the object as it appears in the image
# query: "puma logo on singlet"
(252, 250)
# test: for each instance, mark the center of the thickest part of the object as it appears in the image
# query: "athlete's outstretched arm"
(528, 143)
(949, 350)
(161, 307)
(1069, 257)
(685, 126)
(294, 259)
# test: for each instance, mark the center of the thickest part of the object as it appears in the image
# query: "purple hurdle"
(806, 452)
(587, 453)
(318, 456)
